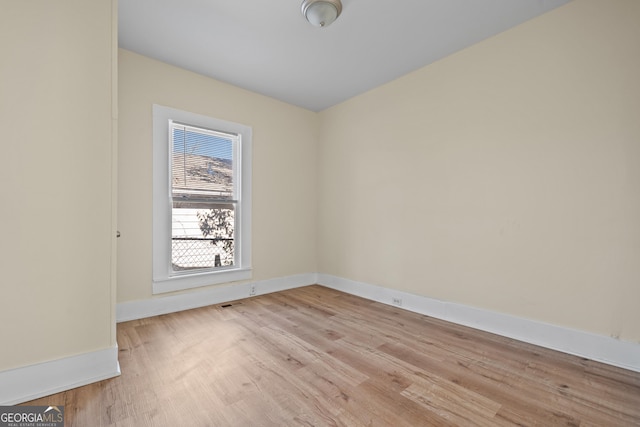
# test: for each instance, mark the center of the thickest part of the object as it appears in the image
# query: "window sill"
(196, 280)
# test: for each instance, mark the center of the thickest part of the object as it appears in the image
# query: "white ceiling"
(267, 46)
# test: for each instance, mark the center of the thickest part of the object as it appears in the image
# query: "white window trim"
(163, 278)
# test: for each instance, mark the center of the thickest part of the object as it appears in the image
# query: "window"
(201, 200)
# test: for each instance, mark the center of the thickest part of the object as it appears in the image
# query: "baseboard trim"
(611, 351)
(623, 354)
(158, 305)
(43, 379)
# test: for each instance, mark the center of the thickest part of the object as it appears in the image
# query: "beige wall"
(284, 169)
(56, 174)
(504, 177)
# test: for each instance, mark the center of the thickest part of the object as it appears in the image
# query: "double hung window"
(201, 200)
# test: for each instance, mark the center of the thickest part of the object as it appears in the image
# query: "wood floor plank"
(314, 356)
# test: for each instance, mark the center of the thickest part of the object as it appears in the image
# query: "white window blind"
(202, 163)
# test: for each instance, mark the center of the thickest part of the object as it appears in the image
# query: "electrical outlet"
(396, 301)
(252, 290)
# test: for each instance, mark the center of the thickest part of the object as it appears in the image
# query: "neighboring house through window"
(201, 200)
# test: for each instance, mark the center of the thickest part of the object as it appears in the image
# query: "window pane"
(202, 238)
(202, 162)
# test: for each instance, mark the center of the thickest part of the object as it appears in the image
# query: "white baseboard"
(46, 378)
(43, 379)
(600, 348)
(155, 306)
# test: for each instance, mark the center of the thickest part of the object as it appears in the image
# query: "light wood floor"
(317, 357)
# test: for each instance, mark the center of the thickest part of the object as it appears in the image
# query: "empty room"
(320, 213)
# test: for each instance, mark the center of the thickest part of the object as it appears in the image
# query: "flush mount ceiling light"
(321, 12)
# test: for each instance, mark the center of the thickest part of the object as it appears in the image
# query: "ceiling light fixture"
(321, 13)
